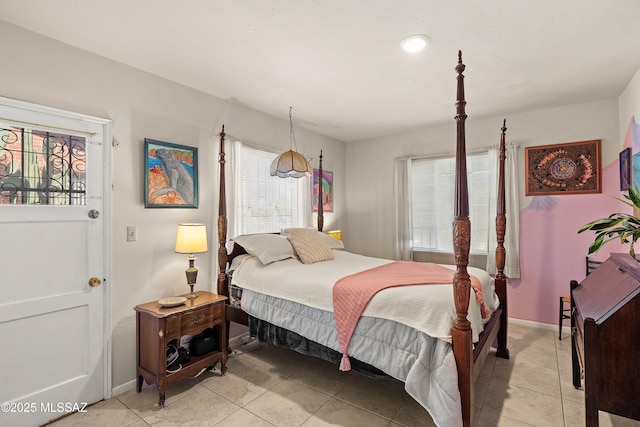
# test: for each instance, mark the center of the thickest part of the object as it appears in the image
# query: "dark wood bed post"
(223, 285)
(501, 227)
(320, 202)
(222, 224)
(461, 335)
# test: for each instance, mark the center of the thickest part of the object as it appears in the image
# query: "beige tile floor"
(269, 386)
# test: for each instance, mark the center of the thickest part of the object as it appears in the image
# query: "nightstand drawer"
(196, 321)
(218, 312)
(172, 326)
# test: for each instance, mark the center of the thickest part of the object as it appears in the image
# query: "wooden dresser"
(605, 327)
(157, 326)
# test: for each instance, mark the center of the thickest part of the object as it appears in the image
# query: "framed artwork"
(571, 168)
(625, 169)
(170, 175)
(327, 191)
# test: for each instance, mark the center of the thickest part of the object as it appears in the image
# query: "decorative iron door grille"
(41, 168)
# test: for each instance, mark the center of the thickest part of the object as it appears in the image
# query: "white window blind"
(266, 203)
(432, 202)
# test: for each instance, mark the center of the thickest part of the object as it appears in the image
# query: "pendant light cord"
(292, 136)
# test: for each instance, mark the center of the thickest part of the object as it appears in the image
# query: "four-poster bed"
(469, 347)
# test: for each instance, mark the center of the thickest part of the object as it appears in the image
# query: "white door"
(52, 322)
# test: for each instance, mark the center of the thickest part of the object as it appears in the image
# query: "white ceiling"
(339, 64)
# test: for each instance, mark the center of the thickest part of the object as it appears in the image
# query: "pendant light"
(291, 163)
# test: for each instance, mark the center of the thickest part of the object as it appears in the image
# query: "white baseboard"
(123, 388)
(548, 326)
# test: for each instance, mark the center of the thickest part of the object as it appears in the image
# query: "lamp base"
(192, 295)
(192, 274)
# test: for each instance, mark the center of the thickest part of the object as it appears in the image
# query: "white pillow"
(333, 243)
(308, 245)
(267, 248)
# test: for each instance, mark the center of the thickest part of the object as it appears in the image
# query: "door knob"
(94, 281)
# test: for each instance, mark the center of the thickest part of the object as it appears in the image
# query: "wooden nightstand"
(157, 326)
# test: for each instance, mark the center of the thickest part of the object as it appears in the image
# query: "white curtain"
(402, 179)
(402, 192)
(512, 200)
(233, 167)
(304, 190)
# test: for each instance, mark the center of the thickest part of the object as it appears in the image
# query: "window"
(41, 168)
(267, 203)
(432, 200)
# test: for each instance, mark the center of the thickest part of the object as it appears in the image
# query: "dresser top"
(204, 298)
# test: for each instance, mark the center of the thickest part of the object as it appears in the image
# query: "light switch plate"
(132, 233)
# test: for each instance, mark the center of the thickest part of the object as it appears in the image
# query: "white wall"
(43, 71)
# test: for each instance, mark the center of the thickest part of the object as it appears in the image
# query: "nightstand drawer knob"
(196, 319)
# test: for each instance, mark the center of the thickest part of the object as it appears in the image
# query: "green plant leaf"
(634, 196)
(617, 226)
(600, 224)
(597, 244)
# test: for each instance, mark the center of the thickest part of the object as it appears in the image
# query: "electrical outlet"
(132, 233)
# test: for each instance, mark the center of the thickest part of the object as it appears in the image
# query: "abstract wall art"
(571, 168)
(170, 175)
(327, 190)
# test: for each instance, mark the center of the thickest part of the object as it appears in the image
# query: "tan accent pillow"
(308, 245)
(330, 241)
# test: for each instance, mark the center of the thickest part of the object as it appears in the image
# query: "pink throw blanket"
(351, 294)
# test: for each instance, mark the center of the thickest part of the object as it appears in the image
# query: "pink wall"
(551, 251)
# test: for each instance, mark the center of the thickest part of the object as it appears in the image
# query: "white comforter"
(429, 308)
(404, 331)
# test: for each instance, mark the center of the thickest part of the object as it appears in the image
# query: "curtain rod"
(256, 146)
(442, 155)
(452, 154)
(252, 145)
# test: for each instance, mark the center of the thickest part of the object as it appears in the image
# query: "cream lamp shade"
(191, 239)
(290, 164)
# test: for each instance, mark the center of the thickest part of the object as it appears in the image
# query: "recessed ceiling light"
(415, 43)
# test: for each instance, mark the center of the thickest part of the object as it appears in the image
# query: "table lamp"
(191, 239)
